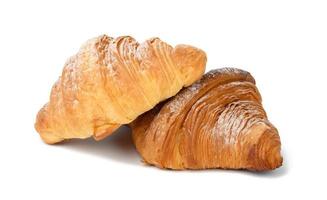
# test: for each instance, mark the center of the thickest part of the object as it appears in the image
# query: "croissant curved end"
(102, 132)
(265, 153)
(42, 127)
(191, 62)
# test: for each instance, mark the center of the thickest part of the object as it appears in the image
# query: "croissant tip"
(266, 154)
(42, 127)
(103, 131)
(191, 62)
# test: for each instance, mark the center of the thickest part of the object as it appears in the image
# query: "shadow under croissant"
(119, 147)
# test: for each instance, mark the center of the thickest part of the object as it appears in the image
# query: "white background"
(282, 43)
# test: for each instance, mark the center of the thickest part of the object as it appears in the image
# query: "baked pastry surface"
(218, 122)
(110, 82)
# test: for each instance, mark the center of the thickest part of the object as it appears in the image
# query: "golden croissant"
(218, 122)
(110, 82)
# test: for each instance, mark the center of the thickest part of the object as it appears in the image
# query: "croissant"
(218, 122)
(110, 82)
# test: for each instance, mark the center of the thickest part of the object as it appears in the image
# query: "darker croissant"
(218, 122)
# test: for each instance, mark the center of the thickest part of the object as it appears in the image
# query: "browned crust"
(173, 135)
